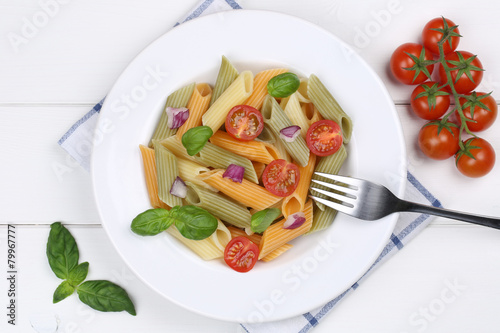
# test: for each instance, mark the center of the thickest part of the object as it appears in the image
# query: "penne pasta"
(235, 94)
(259, 169)
(277, 252)
(167, 171)
(149, 161)
(328, 106)
(217, 157)
(275, 236)
(226, 76)
(197, 105)
(276, 119)
(253, 150)
(218, 205)
(295, 202)
(323, 218)
(302, 91)
(260, 86)
(248, 193)
(329, 164)
(189, 170)
(174, 145)
(177, 99)
(292, 108)
(208, 248)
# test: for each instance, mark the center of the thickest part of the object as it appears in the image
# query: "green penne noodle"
(219, 158)
(166, 172)
(276, 119)
(322, 219)
(226, 76)
(219, 205)
(328, 106)
(178, 99)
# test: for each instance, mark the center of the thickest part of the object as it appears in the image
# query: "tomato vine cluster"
(458, 75)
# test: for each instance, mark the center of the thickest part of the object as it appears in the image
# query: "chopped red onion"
(234, 172)
(176, 116)
(294, 221)
(290, 133)
(179, 188)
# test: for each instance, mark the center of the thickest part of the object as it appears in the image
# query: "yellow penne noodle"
(255, 238)
(302, 91)
(174, 145)
(148, 159)
(253, 150)
(246, 192)
(293, 110)
(235, 94)
(189, 170)
(208, 248)
(260, 86)
(295, 202)
(312, 114)
(275, 236)
(197, 105)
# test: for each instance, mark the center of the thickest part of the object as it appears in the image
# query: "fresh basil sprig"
(262, 220)
(195, 139)
(63, 257)
(192, 222)
(283, 85)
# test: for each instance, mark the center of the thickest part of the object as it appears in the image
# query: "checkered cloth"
(407, 227)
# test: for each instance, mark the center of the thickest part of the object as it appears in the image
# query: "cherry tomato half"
(482, 118)
(281, 178)
(470, 63)
(241, 254)
(431, 37)
(401, 62)
(483, 161)
(324, 137)
(244, 122)
(431, 103)
(438, 146)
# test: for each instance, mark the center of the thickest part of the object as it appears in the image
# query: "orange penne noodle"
(312, 114)
(260, 81)
(246, 192)
(259, 168)
(295, 202)
(255, 238)
(275, 236)
(197, 105)
(148, 159)
(253, 150)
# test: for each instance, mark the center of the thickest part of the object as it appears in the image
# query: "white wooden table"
(69, 62)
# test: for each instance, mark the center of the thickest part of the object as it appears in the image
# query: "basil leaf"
(78, 274)
(64, 290)
(105, 296)
(193, 222)
(151, 222)
(62, 251)
(263, 219)
(283, 85)
(195, 139)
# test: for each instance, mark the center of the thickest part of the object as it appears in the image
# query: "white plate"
(319, 267)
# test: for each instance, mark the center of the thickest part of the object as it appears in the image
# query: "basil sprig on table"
(63, 256)
(283, 85)
(192, 222)
(195, 139)
(262, 220)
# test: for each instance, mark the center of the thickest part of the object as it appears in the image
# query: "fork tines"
(344, 192)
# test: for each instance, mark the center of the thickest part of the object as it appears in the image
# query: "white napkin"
(77, 142)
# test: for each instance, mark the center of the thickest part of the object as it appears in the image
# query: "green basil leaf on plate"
(64, 290)
(151, 222)
(193, 222)
(62, 251)
(195, 139)
(105, 296)
(262, 220)
(283, 85)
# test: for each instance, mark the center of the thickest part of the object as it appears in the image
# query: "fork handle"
(476, 219)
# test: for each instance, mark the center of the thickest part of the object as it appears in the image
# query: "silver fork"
(369, 201)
